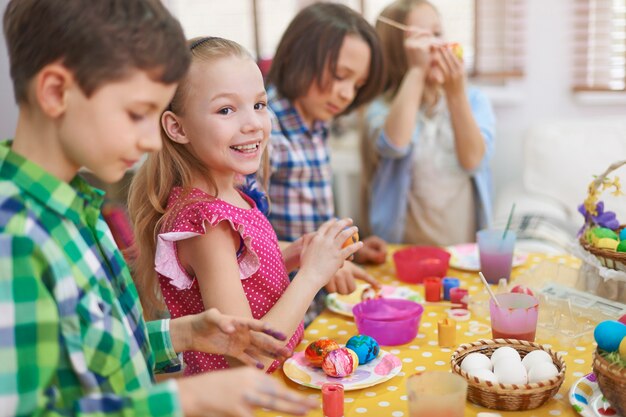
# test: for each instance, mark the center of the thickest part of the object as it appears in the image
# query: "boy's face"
(225, 121)
(353, 64)
(110, 131)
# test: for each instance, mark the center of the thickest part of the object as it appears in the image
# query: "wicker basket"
(507, 397)
(612, 382)
(608, 258)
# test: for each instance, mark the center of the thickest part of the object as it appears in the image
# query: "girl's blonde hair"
(173, 166)
(396, 65)
(392, 42)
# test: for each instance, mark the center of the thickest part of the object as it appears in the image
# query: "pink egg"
(622, 319)
(340, 362)
(522, 289)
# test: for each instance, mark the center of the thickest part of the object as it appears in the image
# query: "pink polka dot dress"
(261, 268)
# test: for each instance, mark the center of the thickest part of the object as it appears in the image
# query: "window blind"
(599, 45)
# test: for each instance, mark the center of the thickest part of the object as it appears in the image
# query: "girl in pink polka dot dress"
(207, 241)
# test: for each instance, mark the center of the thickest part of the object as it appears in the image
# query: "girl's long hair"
(173, 166)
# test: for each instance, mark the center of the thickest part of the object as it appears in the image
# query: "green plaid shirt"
(72, 337)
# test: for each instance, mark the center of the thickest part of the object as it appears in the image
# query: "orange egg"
(316, 351)
(457, 49)
(349, 241)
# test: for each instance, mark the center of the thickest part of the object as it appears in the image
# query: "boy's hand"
(322, 253)
(344, 281)
(242, 338)
(374, 251)
(236, 393)
(292, 251)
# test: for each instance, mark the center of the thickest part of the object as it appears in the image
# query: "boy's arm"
(161, 344)
(30, 348)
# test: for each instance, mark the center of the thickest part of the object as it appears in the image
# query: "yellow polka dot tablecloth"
(423, 353)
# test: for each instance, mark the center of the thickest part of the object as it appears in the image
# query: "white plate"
(587, 399)
(342, 304)
(465, 257)
(381, 369)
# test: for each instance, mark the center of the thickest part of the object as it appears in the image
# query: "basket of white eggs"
(509, 374)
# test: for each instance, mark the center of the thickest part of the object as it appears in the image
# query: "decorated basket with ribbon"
(602, 235)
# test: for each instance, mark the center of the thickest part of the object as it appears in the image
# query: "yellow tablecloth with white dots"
(423, 353)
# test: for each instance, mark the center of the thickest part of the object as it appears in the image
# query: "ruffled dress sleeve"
(194, 220)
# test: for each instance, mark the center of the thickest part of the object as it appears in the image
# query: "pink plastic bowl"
(415, 263)
(388, 320)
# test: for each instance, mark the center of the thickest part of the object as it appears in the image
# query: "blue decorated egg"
(622, 234)
(365, 347)
(609, 334)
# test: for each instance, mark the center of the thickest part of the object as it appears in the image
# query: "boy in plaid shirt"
(91, 78)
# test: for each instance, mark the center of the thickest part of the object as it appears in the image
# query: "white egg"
(510, 373)
(505, 352)
(535, 357)
(484, 375)
(542, 372)
(476, 361)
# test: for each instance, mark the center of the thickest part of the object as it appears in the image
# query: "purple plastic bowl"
(388, 320)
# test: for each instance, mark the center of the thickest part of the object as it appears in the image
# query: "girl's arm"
(469, 142)
(402, 117)
(211, 258)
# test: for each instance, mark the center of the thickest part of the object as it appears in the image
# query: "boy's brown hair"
(312, 42)
(100, 41)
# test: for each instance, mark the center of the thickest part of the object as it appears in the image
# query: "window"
(599, 45)
(493, 48)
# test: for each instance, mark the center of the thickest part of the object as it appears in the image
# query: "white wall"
(546, 89)
(8, 109)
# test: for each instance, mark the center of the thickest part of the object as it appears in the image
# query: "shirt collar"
(72, 200)
(289, 118)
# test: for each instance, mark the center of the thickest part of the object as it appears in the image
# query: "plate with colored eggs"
(342, 304)
(359, 364)
(465, 257)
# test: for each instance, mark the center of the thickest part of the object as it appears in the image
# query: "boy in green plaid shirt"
(91, 79)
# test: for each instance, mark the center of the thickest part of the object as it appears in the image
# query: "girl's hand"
(417, 46)
(236, 393)
(242, 338)
(452, 70)
(323, 255)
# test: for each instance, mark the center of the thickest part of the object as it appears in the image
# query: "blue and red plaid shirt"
(300, 185)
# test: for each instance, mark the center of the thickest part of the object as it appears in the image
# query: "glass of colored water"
(496, 253)
(436, 393)
(515, 318)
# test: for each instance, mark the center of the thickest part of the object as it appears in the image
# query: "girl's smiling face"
(225, 121)
(340, 89)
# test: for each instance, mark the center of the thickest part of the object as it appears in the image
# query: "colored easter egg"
(609, 335)
(622, 319)
(606, 243)
(622, 349)
(522, 289)
(602, 232)
(316, 351)
(621, 246)
(349, 241)
(622, 234)
(366, 347)
(456, 49)
(340, 362)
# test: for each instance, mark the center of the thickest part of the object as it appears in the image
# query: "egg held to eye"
(316, 351)
(349, 241)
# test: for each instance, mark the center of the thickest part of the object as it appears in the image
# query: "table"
(423, 353)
